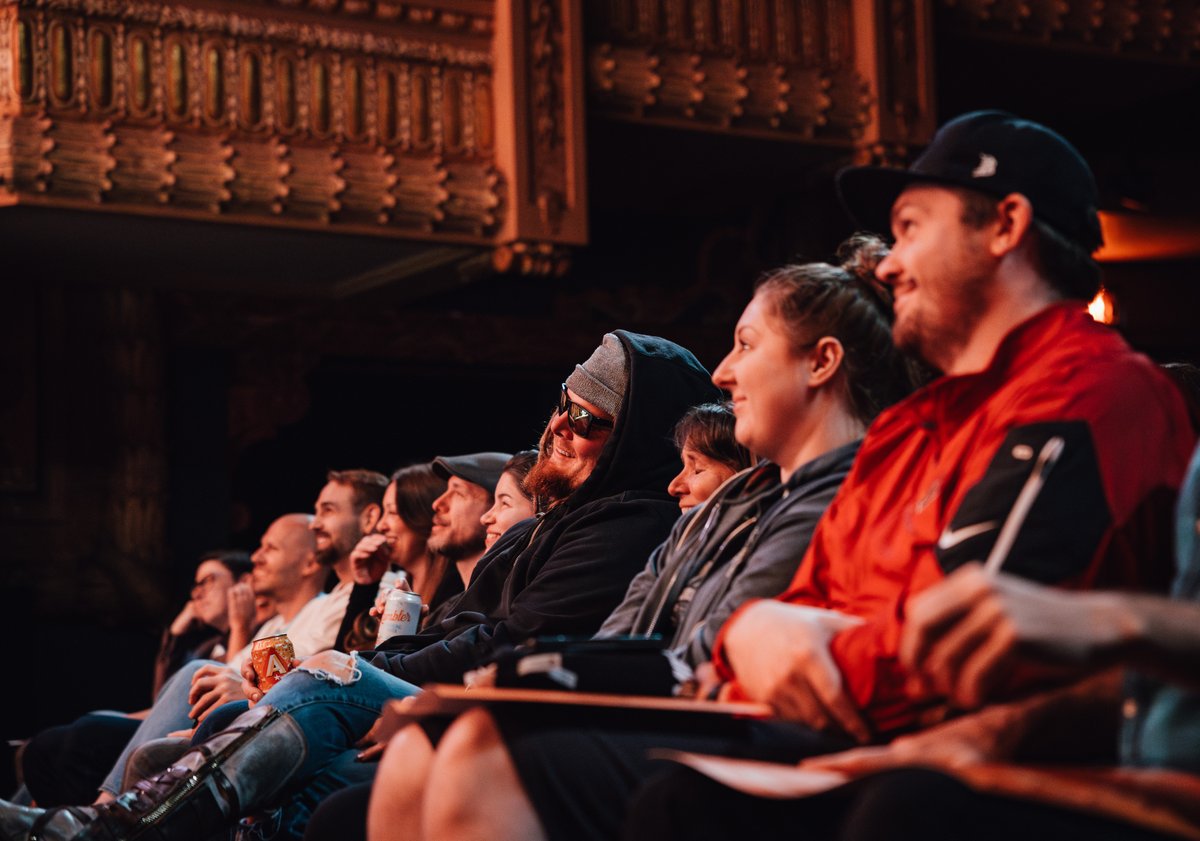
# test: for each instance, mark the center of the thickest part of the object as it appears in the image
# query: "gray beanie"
(602, 379)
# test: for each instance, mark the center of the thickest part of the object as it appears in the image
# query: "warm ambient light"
(1138, 236)
(1103, 308)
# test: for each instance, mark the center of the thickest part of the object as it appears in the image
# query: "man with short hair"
(348, 505)
(286, 570)
(994, 227)
(606, 460)
(458, 531)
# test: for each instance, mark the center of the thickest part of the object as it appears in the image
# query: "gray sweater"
(744, 542)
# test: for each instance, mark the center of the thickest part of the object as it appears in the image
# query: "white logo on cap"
(986, 167)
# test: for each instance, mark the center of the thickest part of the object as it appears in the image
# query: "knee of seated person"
(319, 671)
(409, 753)
(472, 732)
(463, 756)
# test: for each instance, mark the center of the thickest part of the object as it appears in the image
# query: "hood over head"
(664, 381)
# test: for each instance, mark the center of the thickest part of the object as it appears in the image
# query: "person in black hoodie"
(563, 572)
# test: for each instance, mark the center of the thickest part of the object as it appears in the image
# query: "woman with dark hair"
(811, 365)
(512, 502)
(709, 452)
(398, 545)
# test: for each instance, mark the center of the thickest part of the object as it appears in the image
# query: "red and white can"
(401, 615)
(271, 658)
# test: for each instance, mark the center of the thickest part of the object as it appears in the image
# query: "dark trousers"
(65, 765)
(902, 804)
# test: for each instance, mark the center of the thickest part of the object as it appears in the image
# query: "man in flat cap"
(604, 463)
(457, 532)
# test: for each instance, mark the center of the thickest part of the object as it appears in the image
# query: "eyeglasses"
(205, 582)
(579, 419)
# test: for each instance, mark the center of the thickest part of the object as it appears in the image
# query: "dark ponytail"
(848, 303)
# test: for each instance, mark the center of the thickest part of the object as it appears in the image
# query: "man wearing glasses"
(604, 463)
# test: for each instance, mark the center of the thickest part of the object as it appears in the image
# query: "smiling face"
(767, 382)
(566, 459)
(510, 508)
(284, 557)
(403, 543)
(457, 531)
(700, 477)
(938, 272)
(336, 524)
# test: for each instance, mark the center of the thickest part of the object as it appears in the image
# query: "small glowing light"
(1103, 308)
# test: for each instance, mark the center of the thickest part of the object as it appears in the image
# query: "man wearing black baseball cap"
(994, 222)
(1048, 445)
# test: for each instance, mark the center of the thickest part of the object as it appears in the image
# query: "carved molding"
(167, 108)
(538, 83)
(543, 259)
(825, 71)
(1158, 29)
(134, 351)
(787, 67)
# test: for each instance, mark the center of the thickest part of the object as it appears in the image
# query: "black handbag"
(620, 665)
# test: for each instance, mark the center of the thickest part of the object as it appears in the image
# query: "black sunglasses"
(579, 419)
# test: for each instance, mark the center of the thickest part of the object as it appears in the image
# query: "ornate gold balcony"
(448, 120)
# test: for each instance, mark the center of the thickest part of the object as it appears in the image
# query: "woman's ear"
(826, 359)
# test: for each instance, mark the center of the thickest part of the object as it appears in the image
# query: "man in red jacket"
(1046, 444)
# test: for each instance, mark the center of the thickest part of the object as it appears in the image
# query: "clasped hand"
(780, 654)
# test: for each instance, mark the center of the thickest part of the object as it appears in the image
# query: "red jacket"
(948, 463)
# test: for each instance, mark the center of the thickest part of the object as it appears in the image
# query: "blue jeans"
(169, 713)
(334, 712)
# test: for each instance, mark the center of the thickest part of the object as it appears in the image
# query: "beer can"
(401, 615)
(271, 658)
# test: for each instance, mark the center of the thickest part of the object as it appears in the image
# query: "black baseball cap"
(483, 469)
(995, 153)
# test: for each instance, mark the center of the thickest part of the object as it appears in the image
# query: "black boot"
(237, 771)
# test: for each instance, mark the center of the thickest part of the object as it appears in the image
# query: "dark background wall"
(174, 395)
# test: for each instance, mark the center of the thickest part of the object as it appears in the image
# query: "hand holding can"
(271, 658)
(401, 615)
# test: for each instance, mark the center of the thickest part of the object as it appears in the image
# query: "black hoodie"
(564, 572)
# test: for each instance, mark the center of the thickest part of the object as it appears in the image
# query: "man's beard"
(336, 551)
(547, 484)
(460, 550)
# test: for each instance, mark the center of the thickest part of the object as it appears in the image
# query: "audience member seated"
(470, 494)
(220, 616)
(347, 506)
(287, 570)
(343, 814)
(513, 503)
(964, 638)
(456, 536)
(990, 272)
(398, 548)
(709, 452)
(66, 764)
(812, 364)
(601, 471)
